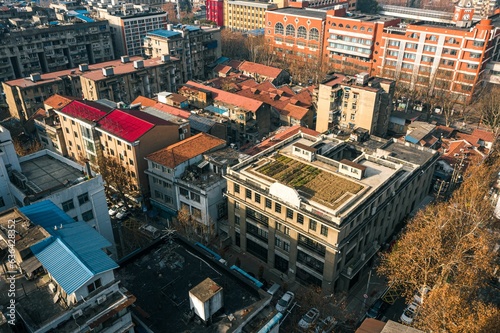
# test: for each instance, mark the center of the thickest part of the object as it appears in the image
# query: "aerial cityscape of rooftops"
(257, 166)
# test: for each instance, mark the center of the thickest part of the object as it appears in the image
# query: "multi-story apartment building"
(195, 46)
(359, 102)
(48, 126)
(447, 58)
(181, 178)
(215, 11)
(315, 210)
(353, 42)
(443, 59)
(296, 33)
(130, 24)
(118, 80)
(93, 132)
(250, 119)
(53, 48)
(246, 15)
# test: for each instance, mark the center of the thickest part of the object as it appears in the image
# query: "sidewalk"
(364, 294)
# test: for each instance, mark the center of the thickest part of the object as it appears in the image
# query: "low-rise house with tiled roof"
(186, 175)
(263, 73)
(250, 118)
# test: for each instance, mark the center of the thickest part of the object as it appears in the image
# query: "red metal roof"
(125, 125)
(83, 110)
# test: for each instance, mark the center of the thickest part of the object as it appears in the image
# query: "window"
(195, 197)
(324, 230)
(278, 29)
(314, 34)
(394, 42)
(236, 188)
(429, 48)
(475, 55)
(94, 285)
(427, 59)
(472, 66)
(277, 242)
(410, 55)
(236, 220)
(302, 32)
(290, 30)
(279, 226)
(75, 134)
(183, 192)
(83, 198)
(286, 230)
(88, 215)
(411, 45)
(478, 44)
(196, 212)
(277, 208)
(286, 246)
(248, 194)
(257, 197)
(68, 205)
(268, 203)
(289, 213)
(67, 130)
(312, 225)
(300, 218)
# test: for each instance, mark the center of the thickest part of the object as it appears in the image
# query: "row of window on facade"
(82, 199)
(300, 33)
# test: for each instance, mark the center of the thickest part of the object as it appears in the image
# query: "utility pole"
(365, 296)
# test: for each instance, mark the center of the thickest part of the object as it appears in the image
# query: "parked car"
(409, 313)
(418, 296)
(113, 210)
(377, 309)
(285, 301)
(309, 318)
(122, 213)
(325, 325)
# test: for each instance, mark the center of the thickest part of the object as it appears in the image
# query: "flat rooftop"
(162, 278)
(328, 185)
(315, 13)
(48, 173)
(27, 233)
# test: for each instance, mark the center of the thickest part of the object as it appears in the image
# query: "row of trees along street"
(450, 247)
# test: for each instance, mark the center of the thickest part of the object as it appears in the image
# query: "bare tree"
(490, 109)
(116, 176)
(26, 148)
(448, 245)
(233, 45)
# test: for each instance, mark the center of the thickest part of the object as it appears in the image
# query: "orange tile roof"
(294, 111)
(486, 136)
(94, 72)
(145, 102)
(281, 134)
(262, 70)
(184, 150)
(229, 98)
(57, 101)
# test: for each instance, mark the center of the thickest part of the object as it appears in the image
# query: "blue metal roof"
(73, 254)
(84, 18)
(191, 28)
(164, 33)
(46, 214)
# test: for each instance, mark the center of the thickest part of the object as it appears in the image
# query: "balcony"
(356, 264)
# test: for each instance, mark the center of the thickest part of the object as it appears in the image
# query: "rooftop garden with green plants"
(319, 185)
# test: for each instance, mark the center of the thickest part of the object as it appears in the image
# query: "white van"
(274, 289)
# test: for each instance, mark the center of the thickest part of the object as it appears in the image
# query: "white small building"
(46, 175)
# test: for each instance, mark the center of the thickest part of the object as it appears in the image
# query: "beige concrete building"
(196, 47)
(315, 210)
(55, 48)
(246, 15)
(117, 80)
(93, 131)
(358, 102)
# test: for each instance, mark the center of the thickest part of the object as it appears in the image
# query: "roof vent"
(83, 67)
(35, 77)
(165, 57)
(138, 64)
(108, 71)
(125, 59)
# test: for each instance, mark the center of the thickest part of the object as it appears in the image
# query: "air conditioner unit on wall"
(101, 299)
